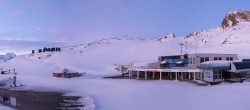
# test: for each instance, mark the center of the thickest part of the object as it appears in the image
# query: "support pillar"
(194, 76)
(176, 76)
(189, 75)
(153, 75)
(160, 75)
(146, 74)
(171, 74)
(181, 75)
(138, 75)
(129, 74)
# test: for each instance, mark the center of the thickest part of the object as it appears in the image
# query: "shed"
(66, 73)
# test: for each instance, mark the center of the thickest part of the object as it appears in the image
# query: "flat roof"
(214, 53)
(167, 70)
(200, 54)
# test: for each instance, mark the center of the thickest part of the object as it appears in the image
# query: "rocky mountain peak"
(234, 17)
(168, 37)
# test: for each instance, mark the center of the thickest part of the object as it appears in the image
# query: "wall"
(211, 56)
(208, 75)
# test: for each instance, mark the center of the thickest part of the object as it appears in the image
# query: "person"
(14, 80)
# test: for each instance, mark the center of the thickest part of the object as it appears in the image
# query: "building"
(208, 67)
(45, 49)
(66, 73)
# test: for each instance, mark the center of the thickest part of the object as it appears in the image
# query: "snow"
(132, 94)
(123, 94)
(98, 58)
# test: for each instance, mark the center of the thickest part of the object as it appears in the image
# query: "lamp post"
(181, 44)
(186, 44)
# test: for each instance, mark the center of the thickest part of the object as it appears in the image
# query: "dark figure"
(5, 99)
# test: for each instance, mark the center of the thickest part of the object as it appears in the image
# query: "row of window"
(204, 59)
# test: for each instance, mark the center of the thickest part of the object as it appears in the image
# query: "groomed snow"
(127, 94)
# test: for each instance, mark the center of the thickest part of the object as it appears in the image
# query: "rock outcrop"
(234, 17)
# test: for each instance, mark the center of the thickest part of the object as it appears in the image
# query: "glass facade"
(175, 61)
(217, 74)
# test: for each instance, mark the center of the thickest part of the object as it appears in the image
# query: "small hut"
(66, 73)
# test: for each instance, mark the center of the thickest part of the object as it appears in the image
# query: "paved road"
(33, 100)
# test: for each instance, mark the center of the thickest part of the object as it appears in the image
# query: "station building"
(208, 67)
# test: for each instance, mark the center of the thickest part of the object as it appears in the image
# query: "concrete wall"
(196, 57)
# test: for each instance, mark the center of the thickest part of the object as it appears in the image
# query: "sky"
(27, 24)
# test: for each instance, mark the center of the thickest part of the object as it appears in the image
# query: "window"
(202, 59)
(206, 59)
(227, 58)
(217, 74)
(217, 58)
(190, 60)
(193, 60)
(231, 58)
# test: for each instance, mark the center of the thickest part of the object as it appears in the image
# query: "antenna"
(181, 44)
(186, 44)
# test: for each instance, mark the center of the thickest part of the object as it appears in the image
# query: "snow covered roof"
(216, 63)
(65, 70)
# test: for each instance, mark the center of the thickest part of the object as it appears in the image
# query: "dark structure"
(246, 60)
(53, 49)
(58, 49)
(66, 74)
(40, 50)
(44, 49)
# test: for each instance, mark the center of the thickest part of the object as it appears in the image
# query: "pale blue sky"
(87, 20)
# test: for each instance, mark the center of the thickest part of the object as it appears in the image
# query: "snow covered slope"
(233, 36)
(102, 55)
